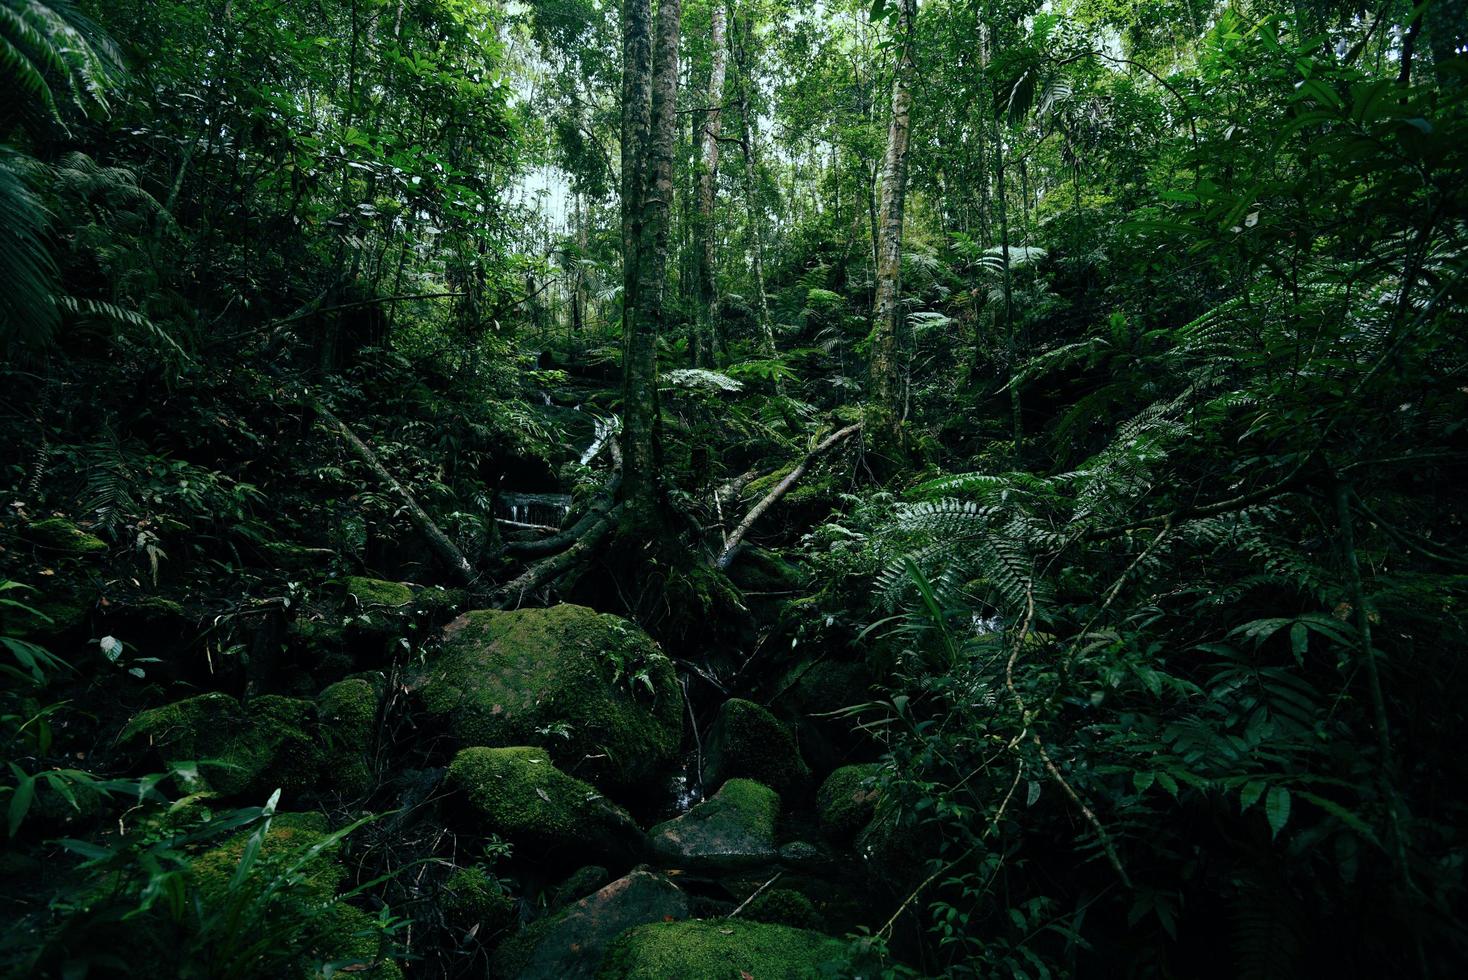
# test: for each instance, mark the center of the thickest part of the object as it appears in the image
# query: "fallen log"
(732, 542)
(564, 539)
(513, 592)
(445, 549)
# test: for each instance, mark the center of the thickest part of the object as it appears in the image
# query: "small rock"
(748, 741)
(847, 802)
(720, 948)
(733, 829)
(59, 535)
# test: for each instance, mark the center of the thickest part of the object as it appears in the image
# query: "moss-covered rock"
(749, 742)
(516, 793)
(571, 944)
(238, 749)
(721, 950)
(376, 592)
(592, 689)
(472, 897)
(347, 713)
(580, 883)
(894, 846)
(784, 907)
(57, 534)
(735, 828)
(847, 802)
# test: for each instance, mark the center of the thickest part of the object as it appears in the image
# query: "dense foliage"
(1033, 432)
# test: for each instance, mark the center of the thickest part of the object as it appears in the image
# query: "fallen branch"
(513, 592)
(732, 542)
(445, 549)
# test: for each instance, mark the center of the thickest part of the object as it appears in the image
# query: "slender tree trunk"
(648, 254)
(749, 150)
(708, 182)
(884, 399)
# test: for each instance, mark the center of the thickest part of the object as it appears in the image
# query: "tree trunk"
(884, 398)
(643, 315)
(708, 182)
(748, 149)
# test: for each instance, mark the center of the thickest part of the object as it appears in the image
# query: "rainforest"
(733, 489)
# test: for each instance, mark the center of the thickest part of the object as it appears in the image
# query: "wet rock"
(571, 944)
(592, 689)
(747, 741)
(516, 793)
(801, 854)
(718, 949)
(579, 884)
(733, 829)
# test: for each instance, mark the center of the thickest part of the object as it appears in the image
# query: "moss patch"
(60, 535)
(370, 592)
(471, 897)
(846, 802)
(518, 794)
(748, 741)
(785, 907)
(593, 690)
(720, 950)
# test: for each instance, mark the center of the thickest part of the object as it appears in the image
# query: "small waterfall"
(543, 510)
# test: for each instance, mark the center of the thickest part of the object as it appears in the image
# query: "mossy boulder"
(785, 907)
(297, 860)
(748, 741)
(847, 801)
(721, 949)
(518, 794)
(347, 713)
(472, 897)
(735, 828)
(571, 944)
(57, 534)
(592, 689)
(238, 749)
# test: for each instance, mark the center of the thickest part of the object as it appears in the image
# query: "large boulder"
(592, 689)
(215, 742)
(748, 742)
(570, 945)
(733, 829)
(518, 794)
(722, 949)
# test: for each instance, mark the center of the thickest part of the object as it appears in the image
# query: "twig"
(755, 895)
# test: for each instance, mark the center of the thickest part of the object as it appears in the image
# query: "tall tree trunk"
(884, 399)
(648, 255)
(749, 150)
(708, 182)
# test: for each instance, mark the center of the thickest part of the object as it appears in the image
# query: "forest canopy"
(733, 488)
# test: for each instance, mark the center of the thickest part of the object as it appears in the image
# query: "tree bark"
(751, 199)
(708, 183)
(884, 398)
(643, 312)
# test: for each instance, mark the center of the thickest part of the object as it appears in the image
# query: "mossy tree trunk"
(708, 182)
(650, 93)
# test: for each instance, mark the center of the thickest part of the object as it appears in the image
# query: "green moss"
(846, 802)
(472, 897)
(349, 934)
(60, 535)
(565, 678)
(518, 794)
(748, 741)
(370, 592)
(241, 750)
(785, 907)
(579, 884)
(347, 711)
(724, 949)
(292, 557)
